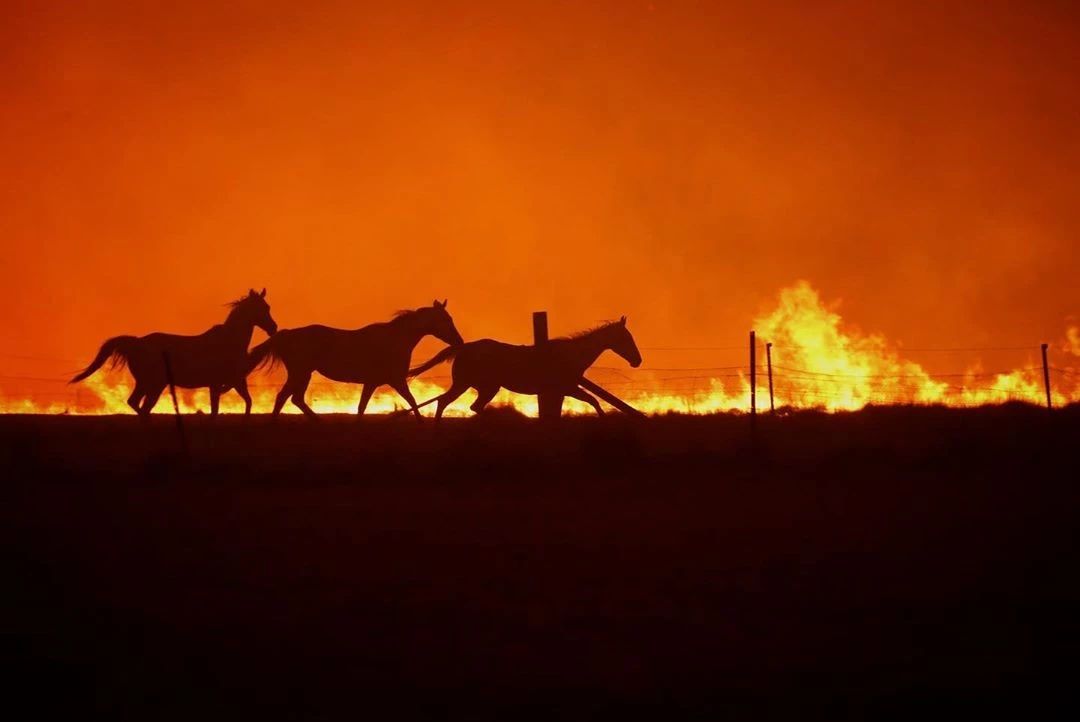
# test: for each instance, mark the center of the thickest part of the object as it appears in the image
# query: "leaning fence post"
(175, 403)
(768, 360)
(1046, 378)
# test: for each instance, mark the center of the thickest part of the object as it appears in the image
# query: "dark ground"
(873, 565)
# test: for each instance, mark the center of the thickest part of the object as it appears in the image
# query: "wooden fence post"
(768, 360)
(753, 374)
(1046, 378)
(540, 328)
(549, 406)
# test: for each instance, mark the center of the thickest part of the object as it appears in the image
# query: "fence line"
(791, 383)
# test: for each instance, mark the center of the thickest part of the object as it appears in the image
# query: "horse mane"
(234, 306)
(405, 313)
(598, 328)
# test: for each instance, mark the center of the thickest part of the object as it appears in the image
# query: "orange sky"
(675, 162)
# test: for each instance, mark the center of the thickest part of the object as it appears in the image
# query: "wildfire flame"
(817, 362)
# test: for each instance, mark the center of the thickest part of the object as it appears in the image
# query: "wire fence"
(821, 380)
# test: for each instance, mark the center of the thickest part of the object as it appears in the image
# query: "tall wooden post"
(768, 360)
(175, 403)
(550, 406)
(1046, 378)
(753, 374)
(540, 328)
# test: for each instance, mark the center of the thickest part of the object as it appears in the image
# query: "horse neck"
(587, 349)
(238, 330)
(409, 329)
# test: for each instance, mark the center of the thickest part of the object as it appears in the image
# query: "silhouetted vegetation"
(883, 563)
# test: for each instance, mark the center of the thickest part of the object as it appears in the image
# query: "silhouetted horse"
(373, 355)
(552, 368)
(216, 359)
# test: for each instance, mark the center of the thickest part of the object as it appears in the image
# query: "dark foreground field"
(880, 564)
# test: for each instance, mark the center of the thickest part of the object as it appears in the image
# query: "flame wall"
(818, 362)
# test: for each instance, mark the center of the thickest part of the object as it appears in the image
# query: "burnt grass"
(885, 563)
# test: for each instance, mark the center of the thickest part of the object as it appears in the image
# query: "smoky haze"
(675, 162)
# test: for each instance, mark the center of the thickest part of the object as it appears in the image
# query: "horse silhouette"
(374, 355)
(216, 359)
(552, 368)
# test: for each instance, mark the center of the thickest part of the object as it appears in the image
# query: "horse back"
(316, 337)
(175, 343)
(352, 355)
(520, 368)
(206, 359)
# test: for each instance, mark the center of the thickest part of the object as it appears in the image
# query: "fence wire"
(792, 385)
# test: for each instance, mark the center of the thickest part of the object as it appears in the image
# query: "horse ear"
(444, 303)
(263, 293)
(623, 320)
(251, 291)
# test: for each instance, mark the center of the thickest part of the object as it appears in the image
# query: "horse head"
(622, 342)
(440, 325)
(254, 309)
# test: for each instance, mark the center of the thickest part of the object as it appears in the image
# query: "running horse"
(216, 359)
(551, 369)
(373, 355)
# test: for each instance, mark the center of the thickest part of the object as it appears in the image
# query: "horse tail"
(265, 355)
(445, 355)
(116, 349)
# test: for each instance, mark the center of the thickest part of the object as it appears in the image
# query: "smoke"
(676, 164)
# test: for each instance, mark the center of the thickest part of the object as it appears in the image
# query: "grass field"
(885, 563)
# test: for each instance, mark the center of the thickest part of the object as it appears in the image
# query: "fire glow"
(818, 362)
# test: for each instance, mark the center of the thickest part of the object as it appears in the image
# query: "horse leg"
(299, 389)
(242, 389)
(287, 390)
(402, 387)
(282, 397)
(215, 400)
(448, 397)
(365, 396)
(483, 398)
(136, 397)
(583, 395)
(150, 401)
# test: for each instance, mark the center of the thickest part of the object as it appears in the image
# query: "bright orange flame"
(1072, 341)
(818, 362)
